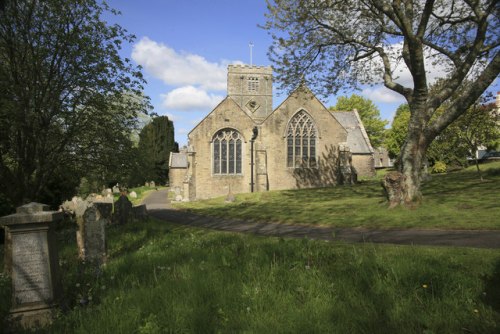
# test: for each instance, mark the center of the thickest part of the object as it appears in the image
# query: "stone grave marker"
(31, 260)
(133, 194)
(92, 219)
(152, 184)
(123, 209)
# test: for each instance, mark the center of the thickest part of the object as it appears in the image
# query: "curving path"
(159, 207)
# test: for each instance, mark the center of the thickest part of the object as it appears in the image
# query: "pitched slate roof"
(357, 139)
(178, 160)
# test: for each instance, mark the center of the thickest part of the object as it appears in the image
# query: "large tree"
(62, 83)
(369, 114)
(156, 141)
(334, 44)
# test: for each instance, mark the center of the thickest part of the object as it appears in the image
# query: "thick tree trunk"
(403, 187)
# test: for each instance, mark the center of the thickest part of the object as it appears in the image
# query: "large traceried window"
(227, 152)
(301, 141)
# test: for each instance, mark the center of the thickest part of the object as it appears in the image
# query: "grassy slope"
(457, 200)
(162, 279)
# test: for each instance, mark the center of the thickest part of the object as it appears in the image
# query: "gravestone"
(116, 189)
(92, 218)
(31, 260)
(140, 212)
(133, 194)
(146, 184)
(152, 184)
(123, 209)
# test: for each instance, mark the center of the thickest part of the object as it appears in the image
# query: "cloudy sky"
(184, 47)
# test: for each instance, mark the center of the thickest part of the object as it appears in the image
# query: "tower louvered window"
(227, 152)
(301, 141)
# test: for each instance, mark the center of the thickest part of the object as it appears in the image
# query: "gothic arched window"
(227, 152)
(301, 141)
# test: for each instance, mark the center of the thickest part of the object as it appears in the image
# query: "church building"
(243, 145)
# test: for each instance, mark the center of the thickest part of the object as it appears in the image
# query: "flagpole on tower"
(250, 45)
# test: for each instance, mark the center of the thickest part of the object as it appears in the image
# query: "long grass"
(165, 279)
(459, 200)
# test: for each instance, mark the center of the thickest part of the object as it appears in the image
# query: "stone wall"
(251, 87)
(271, 171)
(227, 115)
(364, 164)
(176, 177)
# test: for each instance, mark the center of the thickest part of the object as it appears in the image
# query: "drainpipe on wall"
(255, 131)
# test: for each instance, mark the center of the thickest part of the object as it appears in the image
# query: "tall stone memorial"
(32, 261)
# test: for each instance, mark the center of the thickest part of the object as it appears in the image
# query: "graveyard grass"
(162, 278)
(457, 200)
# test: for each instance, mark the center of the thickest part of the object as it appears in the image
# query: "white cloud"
(179, 68)
(382, 94)
(190, 98)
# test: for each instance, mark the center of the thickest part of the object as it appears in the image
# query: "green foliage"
(457, 200)
(369, 114)
(477, 127)
(439, 167)
(396, 135)
(156, 141)
(162, 278)
(62, 92)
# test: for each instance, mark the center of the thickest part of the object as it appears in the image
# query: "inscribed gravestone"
(32, 264)
(92, 218)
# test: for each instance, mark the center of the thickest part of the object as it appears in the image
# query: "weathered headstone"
(116, 189)
(32, 261)
(123, 209)
(92, 218)
(152, 184)
(133, 194)
(146, 184)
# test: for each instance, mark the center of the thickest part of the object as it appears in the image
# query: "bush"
(439, 167)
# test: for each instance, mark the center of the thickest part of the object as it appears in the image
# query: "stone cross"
(32, 261)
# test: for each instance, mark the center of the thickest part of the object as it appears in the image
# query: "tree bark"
(406, 191)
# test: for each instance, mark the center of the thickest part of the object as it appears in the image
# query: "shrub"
(439, 167)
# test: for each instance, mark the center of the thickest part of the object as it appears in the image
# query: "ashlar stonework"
(244, 145)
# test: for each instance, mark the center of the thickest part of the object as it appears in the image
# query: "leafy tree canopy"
(62, 87)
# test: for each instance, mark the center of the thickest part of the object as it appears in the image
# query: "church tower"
(251, 87)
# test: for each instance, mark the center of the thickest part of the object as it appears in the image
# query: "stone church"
(244, 145)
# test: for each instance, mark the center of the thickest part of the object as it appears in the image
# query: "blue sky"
(184, 47)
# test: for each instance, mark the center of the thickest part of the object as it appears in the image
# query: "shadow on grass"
(491, 294)
(138, 236)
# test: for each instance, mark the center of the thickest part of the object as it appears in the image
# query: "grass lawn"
(458, 200)
(162, 278)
